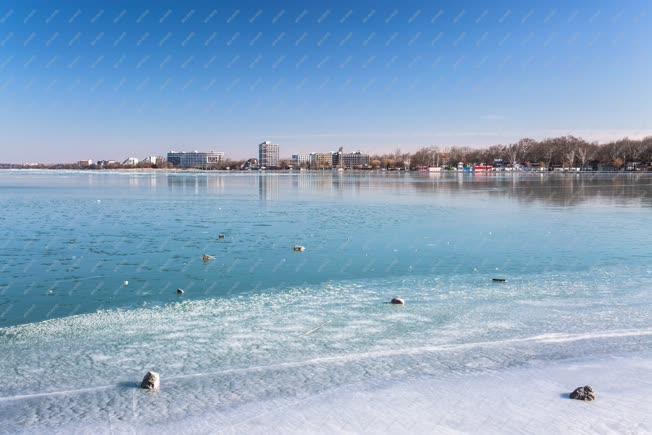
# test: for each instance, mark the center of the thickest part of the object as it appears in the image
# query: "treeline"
(558, 152)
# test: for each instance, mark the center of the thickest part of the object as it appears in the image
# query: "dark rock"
(151, 381)
(180, 291)
(583, 393)
(397, 301)
(498, 279)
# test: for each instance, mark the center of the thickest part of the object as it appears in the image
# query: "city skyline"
(104, 80)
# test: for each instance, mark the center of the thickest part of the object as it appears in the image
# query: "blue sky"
(106, 80)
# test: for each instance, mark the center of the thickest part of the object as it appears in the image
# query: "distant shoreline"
(322, 171)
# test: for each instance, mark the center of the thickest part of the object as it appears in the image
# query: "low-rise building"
(350, 160)
(250, 164)
(338, 159)
(321, 160)
(106, 163)
(195, 159)
(301, 159)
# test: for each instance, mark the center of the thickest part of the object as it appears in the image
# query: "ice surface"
(525, 400)
(532, 399)
(265, 340)
(337, 357)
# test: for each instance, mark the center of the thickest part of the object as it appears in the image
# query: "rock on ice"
(583, 393)
(151, 381)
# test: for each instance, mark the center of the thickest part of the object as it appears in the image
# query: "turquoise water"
(262, 322)
(70, 240)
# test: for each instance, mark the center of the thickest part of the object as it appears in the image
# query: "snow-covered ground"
(525, 400)
(532, 399)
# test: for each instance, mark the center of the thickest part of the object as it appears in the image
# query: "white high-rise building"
(268, 155)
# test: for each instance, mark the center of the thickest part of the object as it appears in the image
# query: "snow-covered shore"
(530, 399)
(521, 400)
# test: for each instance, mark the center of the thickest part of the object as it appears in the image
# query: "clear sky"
(107, 80)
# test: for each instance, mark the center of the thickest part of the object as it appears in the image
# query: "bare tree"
(526, 146)
(569, 149)
(549, 151)
(513, 153)
(426, 156)
(646, 149)
(585, 152)
(458, 154)
(613, 154)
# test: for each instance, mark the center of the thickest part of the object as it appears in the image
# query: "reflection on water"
(550, 189)
(191, 185)
(268, 187)
(547, 189)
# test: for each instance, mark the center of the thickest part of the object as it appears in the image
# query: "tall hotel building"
(268, 155)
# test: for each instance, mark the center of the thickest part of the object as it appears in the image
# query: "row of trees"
(564, 152)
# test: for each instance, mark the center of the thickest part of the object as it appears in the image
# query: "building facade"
(321, 160)
(268, 155)
(301, 159)
(350, 160)
(106, 163)
(195, 159)
(338, 159)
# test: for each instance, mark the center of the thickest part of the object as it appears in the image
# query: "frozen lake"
(265, 335)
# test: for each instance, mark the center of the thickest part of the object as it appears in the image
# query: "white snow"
(531, 399)
(525, 400)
